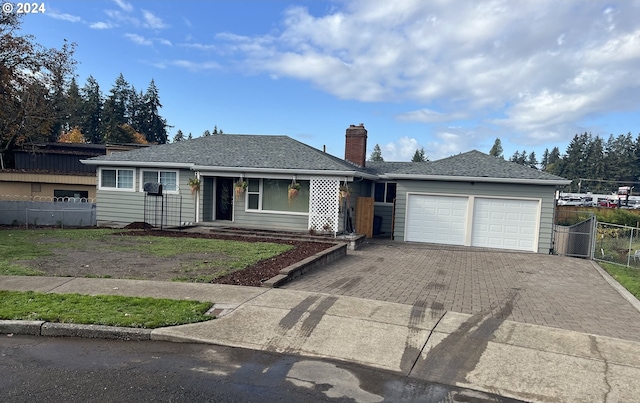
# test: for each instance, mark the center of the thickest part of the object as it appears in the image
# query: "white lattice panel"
(323, 204)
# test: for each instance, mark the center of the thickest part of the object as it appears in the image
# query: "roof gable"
(472, 164)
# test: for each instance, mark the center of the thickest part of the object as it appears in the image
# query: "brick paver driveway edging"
(547, 290)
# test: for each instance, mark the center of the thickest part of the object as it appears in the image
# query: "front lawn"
(114, 253)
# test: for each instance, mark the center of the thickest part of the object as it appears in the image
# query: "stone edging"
(304, 266)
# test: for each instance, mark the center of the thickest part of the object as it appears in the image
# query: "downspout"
(198, 198)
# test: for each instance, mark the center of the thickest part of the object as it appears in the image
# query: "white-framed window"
(116, 179)
(169, 179)
(272, 195)
(384, 192)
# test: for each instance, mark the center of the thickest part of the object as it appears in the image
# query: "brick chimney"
(355, 149)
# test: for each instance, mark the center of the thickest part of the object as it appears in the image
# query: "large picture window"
(169, 179)
(272, 195)
(116, 179)
(384, 192)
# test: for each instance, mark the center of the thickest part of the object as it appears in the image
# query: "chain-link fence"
(62, 212)
(617, 244)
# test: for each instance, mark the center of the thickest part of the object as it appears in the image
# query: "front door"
(224, 198)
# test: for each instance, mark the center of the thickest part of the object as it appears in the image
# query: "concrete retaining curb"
(41, 328)
(304, 266)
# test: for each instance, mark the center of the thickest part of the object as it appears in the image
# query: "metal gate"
(162, 210)
(577, 240)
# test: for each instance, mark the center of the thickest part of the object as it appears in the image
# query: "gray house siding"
(122, 208)
(544, 193)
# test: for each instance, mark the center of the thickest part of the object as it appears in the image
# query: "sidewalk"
(485, 353)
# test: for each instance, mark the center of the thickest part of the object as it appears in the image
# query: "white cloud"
(63, 16)
(152, 21)
(139, 40)
(402, 149)
(529, 69)
(426, 115)
(101, 25)
(195, 66)
(128, 7)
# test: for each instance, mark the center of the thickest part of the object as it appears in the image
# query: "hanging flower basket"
(345, 192)
(240, 187)
(292, 192)
(194, 184)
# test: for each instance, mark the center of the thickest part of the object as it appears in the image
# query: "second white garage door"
(505, 224)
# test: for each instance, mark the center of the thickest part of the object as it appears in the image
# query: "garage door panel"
(436, 219)
(505, 223)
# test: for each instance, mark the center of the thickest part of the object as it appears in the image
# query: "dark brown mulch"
(256, 274)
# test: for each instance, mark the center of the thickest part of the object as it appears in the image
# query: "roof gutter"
(283, 171)
(138, 164)
(547, 182)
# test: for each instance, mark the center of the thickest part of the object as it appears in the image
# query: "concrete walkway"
(555, 291)
(481, 351)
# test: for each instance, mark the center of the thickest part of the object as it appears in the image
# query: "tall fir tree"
(155, 127)
(179, 136)
(92, 106)
(376, 155)
(419, 156)
(115, 112)
(496, 149)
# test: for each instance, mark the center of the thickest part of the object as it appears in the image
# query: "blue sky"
(449, 76)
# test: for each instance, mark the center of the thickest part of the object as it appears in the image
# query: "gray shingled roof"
(470, 164)
(234, 150)
(283, 152)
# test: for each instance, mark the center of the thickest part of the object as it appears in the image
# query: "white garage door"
(505, 224)
(436, 219)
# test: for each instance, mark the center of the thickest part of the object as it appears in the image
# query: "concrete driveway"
(555, 291)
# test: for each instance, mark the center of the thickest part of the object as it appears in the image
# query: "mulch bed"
(256, 274)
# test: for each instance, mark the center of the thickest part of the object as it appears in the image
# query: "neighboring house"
(470, 199)
(52, 171)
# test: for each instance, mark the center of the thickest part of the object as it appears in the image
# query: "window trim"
(386, 190)
(260, 194)
(141, 181)
(116, 188)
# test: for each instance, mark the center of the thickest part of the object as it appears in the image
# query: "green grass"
(148, 313)
(224, 255)
(628, 277)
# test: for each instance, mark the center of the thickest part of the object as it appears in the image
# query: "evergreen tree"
(91, 125)
(515, 157)
(545, 159)
(60, 70)
(206, 133)
(376, 155)
(419, 156)
(216, 130)
(155, 127)
(179, 136)
(496, 150)
(73, 106)
(532, 161)
(189, 137)
(115, 113)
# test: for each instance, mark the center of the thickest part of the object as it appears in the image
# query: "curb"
(51, 329)
(304, 266)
